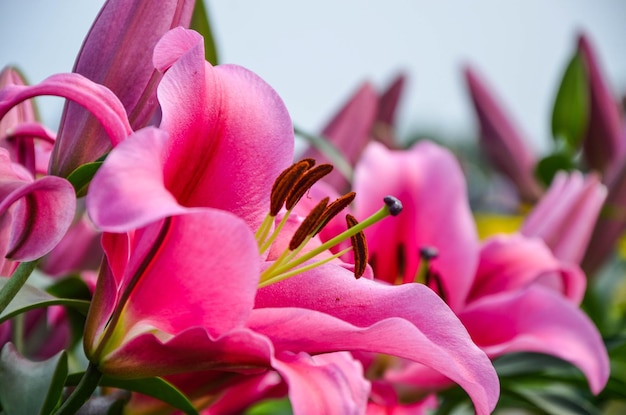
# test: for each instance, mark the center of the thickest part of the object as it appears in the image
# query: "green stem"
(15, 283)
(88, 383)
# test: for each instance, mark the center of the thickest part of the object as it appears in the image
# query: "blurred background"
(315, 54)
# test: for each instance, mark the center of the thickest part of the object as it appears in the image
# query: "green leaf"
(29, 298)
(28, 387)
(271, 407)
(571, 106)
(200, 23)
(556, 399)
(548, 167)
(81, 177)
(155, 387)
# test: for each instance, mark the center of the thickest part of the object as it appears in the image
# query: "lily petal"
(230, 133)
(566, 214)
(408, 321)
(98, 100)
(538, 320)
(128, 192)
(42, 210)
(324, 384)
(511, 262)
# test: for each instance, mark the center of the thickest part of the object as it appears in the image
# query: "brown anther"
(359, 247)
(335, 208)
(308, 225)
(285, 182)
(304, 183)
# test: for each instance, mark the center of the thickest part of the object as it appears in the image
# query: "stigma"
(288, 189)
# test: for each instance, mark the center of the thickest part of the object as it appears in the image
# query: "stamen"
(434, 277)
(308, 225)
(335, 208)
(285, 183)
(393, 204)
(427, 254)
(289, 262)
(359, 247)
(304, 183)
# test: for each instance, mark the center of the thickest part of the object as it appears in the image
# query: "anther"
(308, 225)
(428, 253)
(359, 247)
(335, 208)
(304, 183)
(393, 204)
(285, 182)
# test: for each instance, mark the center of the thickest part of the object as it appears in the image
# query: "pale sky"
(316, 53)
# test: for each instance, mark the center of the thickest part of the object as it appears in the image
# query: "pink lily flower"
(501, 141)
(117, 53)
(185, 201)
(511, 293)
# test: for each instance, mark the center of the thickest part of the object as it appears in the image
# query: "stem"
(83, 391)
(15, 283)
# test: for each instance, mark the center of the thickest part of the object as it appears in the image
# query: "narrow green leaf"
(271, 407)
(548, 167)
(571, 106)
(200, 23)
(155, 387)
(27, 387)
(29, 298)
(81, 177)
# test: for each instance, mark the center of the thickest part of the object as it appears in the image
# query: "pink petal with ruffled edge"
(512, 262)
(325, 384)
(428, 181)
(538, 320)
(408, 321)
(566, 214)
(230, 133)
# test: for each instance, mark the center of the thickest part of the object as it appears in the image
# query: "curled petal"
(41, 211)
(128, 192)
(539, 320)
(324, 384)
(98, 100)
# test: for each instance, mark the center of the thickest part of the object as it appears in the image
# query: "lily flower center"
(290, 186)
